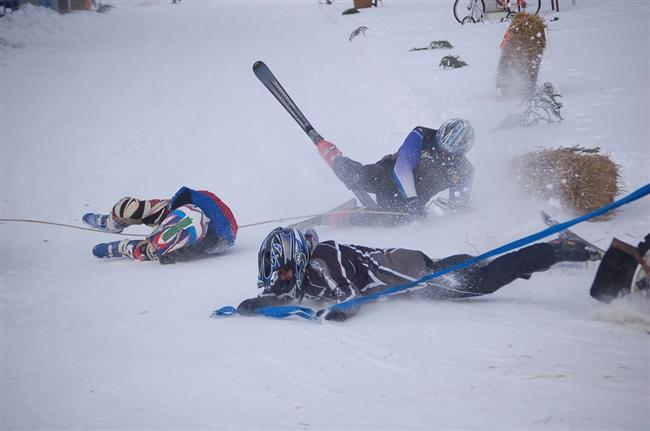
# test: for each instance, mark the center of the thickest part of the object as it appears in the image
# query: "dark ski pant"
(482, 279)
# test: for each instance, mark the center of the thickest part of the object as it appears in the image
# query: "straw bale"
(521, 55)
(582, 180)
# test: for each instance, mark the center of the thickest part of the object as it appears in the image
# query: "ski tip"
(546, 218)
(258, 64)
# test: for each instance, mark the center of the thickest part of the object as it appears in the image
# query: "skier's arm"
(327, 275)
(408, 157)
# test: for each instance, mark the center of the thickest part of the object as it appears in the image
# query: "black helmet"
(282, 248)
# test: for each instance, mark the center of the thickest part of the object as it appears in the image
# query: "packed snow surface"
(153, 95)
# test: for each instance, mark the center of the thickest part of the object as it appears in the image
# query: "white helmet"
(455, 136)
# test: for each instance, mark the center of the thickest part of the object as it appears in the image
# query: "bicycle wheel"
(472, 9)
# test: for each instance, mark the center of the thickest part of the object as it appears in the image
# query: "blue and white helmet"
(282, 248)
(455, 136)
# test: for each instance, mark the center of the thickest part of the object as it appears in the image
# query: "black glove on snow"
(248, 306)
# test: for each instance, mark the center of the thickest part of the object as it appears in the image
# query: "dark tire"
(461, 11)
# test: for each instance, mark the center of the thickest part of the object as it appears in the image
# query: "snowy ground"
(152, 96)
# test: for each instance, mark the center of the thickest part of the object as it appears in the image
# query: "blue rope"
(308, 313)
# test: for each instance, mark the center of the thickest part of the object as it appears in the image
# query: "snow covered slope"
(152, 96)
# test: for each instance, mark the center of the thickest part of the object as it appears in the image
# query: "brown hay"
(359, 4)
(580, 179)
(521, 55)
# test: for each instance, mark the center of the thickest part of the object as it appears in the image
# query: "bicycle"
(475, 9)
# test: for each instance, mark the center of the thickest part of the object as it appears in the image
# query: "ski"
(550, 221)
(326, 218)
(266, 77)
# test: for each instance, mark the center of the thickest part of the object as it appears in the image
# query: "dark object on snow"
(624, 269)
(103, 8)
(440, 44)
(451, 62)
(356, 32)
(541, 106)
(581, 181)
(435, 45)
(350, 11)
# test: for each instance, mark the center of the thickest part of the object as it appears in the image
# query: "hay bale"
(581, 179)
(521, 56)
(360, 4)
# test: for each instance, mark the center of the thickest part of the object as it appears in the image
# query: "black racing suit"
(339, 272)
(405, 181)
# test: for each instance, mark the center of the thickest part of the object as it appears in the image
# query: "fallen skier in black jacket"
(294, 266)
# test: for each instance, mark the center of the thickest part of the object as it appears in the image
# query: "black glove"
(414, 206)
(247, 306)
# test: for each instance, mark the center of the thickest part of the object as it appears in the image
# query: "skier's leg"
(135, 249)
(507, 268)
(369, 178)
(131, 211)
(141, 250)
(524, 262)
(481, 279)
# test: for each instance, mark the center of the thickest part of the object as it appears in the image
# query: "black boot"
(573, 250)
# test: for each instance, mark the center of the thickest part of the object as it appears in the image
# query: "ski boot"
(135, 249)
(109, 249)
(568, 248)
(102, 222)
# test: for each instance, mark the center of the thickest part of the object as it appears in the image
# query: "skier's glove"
(415, 207)
(248, 306)
(328, 151)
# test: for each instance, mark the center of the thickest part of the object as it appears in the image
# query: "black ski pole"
(266, 77)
